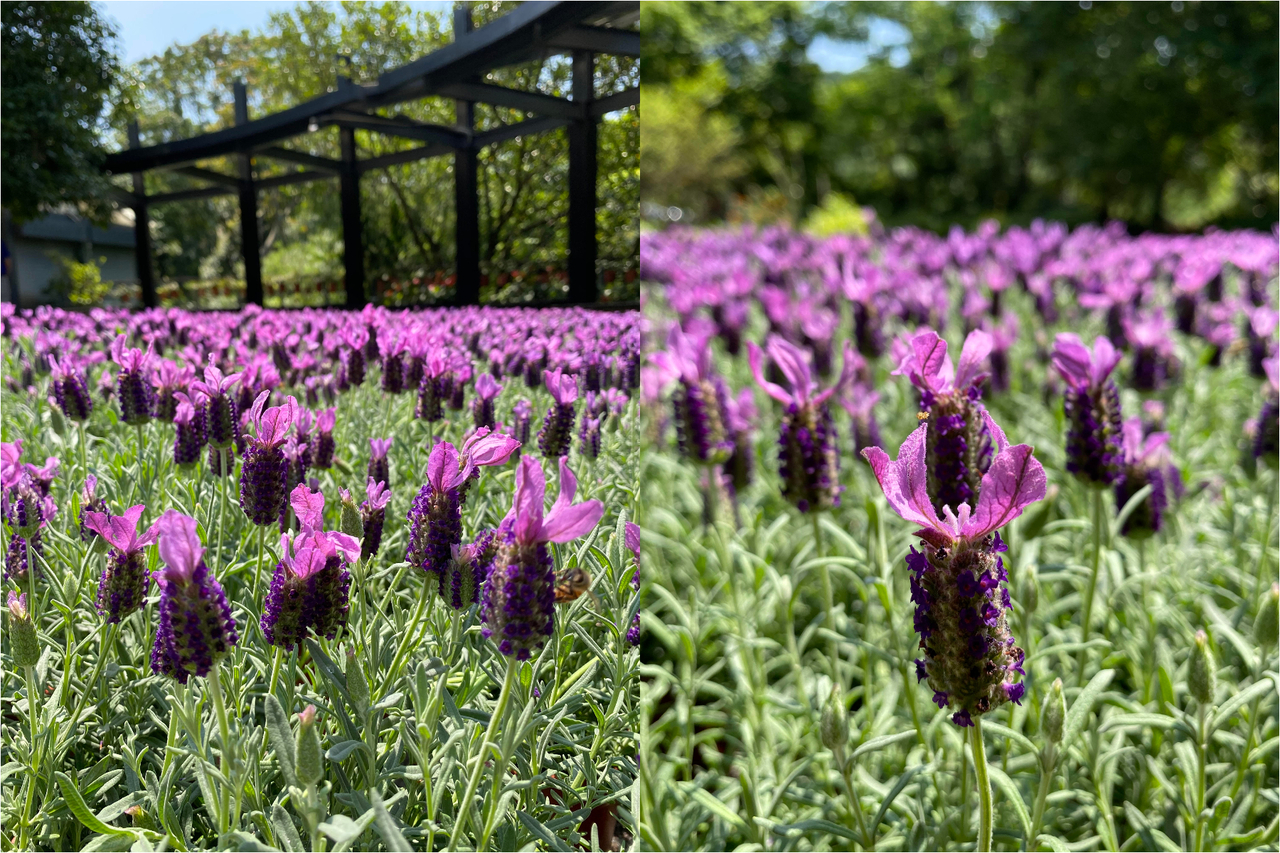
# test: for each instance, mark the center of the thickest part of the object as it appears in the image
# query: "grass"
(737, 661)
(112, 757)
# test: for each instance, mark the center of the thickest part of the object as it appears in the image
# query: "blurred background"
(1163, 115)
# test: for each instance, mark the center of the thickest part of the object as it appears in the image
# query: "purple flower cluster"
(1095, 443)
(122, 588)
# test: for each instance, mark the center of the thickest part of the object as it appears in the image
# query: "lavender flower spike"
(123, 586)
(959, 449)
(1095, 449)
(970, 656)
(518, 604)
(222, 420)
(808, 457)
(372, 515)
(70, 389)
(262, 475)
(557, 427)
(195, 627)
(700, 402)
(133, 383)
(310, 589)
(1147, 461)
(379, 470)
(487, 389)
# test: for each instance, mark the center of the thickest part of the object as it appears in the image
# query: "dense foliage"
(362, 636)
(818, 676)
(1163, 115)
(58, 63)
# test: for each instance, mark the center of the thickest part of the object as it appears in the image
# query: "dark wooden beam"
(276, 152)
(142, 230)
(582, 186)
(292, 178)
(352, 228)
(598, 39)
(466, 191)
(616, 101)
(500, 96)
(405, 128)
(399, 158)
(520, 128)
(208, 175)
(249, 248)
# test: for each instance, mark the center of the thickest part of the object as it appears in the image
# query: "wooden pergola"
(534, 30)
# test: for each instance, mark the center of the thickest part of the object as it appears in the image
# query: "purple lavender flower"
(310, 590)
(70, 389)
(482, 406)
(295, 472)
(357, 339)
(457, 387)
(699, 400)
(518, 602)
(263, 473)
(959, 448)
(302, 432)
(1147, 461)
(372, 515)
(468, 568)
(970, 656)
(221, 415)
(379, 469)
(1095, 450)
(1266, 441)
(122, 587)
(323, 457)
(431, 388)
(557, 426)
(1152, 337)
(393, 370)
(808, 457)
(168, 379)
(435, 517)
(631, 538)
(860, 401)
(89, 502)
(195, 628)
(521, 415)
(133, 386)
(190, 437)
(589, 437)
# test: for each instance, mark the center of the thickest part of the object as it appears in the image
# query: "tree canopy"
(1163, 115)
(58, 63)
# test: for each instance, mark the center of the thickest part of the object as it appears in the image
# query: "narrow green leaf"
(76, 803)
(719, 809)
(387, 828)
(1244, 697)
(545, 835)
(1083, 704)
(340, 751)
(1012, 795)
(281, 735)
(1142, 720)
(286, 833)
(1004, 731)
(881, 742)
(903, 781)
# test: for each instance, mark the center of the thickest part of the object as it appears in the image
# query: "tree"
(57, 63)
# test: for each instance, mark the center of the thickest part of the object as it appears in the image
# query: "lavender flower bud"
(90, 502)
(322, 458)
(355, 367)
(1054, 713)
(521, 415)
(457, 396)
(195, 627)
(18, 559)
(833, 725)
(137, 397)
(23, 641)
(307, 751)
(262, 484)
(352, 522)
(482, 412)
(122, 588)
(699, 416)
(187, 444)
(357, 684)
(589, 437)
(1202, 671)
(222, 420)
(958, 448)
(809, 462)
(518, 601)
(371, 520)
(413, 369)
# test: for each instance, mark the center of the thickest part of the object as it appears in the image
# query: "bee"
(922, 416)
(571, 584)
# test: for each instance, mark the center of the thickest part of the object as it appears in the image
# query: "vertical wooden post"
(582, 185)
(352, 229)
(249, 248)
(142, 230)
(466, 191)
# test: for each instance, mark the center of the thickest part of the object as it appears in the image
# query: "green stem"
(1201, 747)
(33, 713)
(828, 601)
(257, 569)
(855, 803)
(109, 632)
(224, 731)
(222, 504)
(84, 465)
(985, 813)
(1266, 543)
(1093, 583)
(410, 632)
(465, 804)
(275, 670)
(1046, 779)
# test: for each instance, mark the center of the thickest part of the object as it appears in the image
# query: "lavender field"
(319, 580)
(959, 542)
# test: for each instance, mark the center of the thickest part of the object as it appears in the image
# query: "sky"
(843, 57)
(147, 27)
